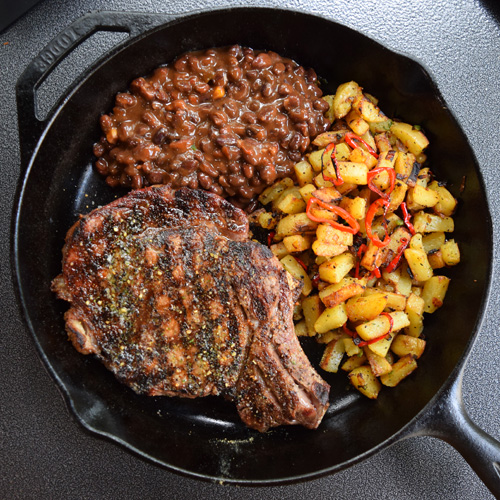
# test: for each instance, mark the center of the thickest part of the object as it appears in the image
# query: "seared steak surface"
(169, 293)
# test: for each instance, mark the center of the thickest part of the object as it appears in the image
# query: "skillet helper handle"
(450, 422)
(31, 126)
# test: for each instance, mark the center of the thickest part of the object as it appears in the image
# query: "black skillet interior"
(205, 437)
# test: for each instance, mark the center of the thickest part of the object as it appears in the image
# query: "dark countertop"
(46, 454)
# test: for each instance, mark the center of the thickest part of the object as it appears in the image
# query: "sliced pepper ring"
(369, 221)
(353, 226)
(352, 140)
(392, 177)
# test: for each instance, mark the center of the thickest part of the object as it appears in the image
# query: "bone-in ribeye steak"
(169, 293)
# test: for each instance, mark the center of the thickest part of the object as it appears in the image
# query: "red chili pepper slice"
(301, 263)
(407, 216)
(270, 237)
(369, 221)
(392, 177)
(337, 181)
(349, 332)
(395, 261)
(350, 139)
(315, 280)
(353, 226)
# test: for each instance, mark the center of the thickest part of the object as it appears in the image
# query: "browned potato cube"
(400, 369)
(363, 379)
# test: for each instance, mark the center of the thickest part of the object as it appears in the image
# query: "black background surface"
(45, 454)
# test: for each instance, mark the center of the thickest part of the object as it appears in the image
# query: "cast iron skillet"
(204, 438)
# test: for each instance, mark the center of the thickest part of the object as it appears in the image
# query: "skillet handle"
(448, 420)
(31, 126)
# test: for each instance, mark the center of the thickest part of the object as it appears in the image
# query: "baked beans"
(228, 120)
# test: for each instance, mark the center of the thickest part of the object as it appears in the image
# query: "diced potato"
(307, 191)
(290, 201)
(312, 307)
(337, 293)
(415, 303)
(368, 110)
(354, 361)
(301, 329)
(428, 223)
(416, 326)
(419, 264)
(304, 173)
(384, 126)
(356, 122)
(424, 197)
(374, 328)
(413, 139)
(381, 347)
(330, 241)
(332, 356)
(378, 364)
(434, 292)
(382, 141)
(373, 257)
(398, 195)
(267, 220)
(433, 241)
(294, 224)
(279, 250)
(447, 203)
(326, 338)
(363, 379)
(297, 243)
(395, 301)
(355, 206)
(334, 269)
(450, 253)
(368, 138)
(400, 369)
(381, 325)
(406, 344)
(328, 137)
(351, 173)
(436, 260)
(315, 159)
(405, 283)
(342, 151)
(351, 348)
(342, 102)
(366, 308)
(403, 164)
(298, 272)
(328, 195)
(424, 177)
(272, 192)
(330, 319)
(386, 159)
(359, 155)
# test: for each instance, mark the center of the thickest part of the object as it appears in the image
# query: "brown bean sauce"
(228, 120)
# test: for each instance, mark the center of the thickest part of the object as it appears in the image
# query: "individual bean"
(204, 180)
(126, 100)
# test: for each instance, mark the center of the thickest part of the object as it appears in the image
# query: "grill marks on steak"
(169, 293)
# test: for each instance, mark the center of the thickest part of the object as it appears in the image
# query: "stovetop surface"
(45, 454)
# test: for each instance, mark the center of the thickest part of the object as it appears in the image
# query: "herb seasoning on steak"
(169, 293)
